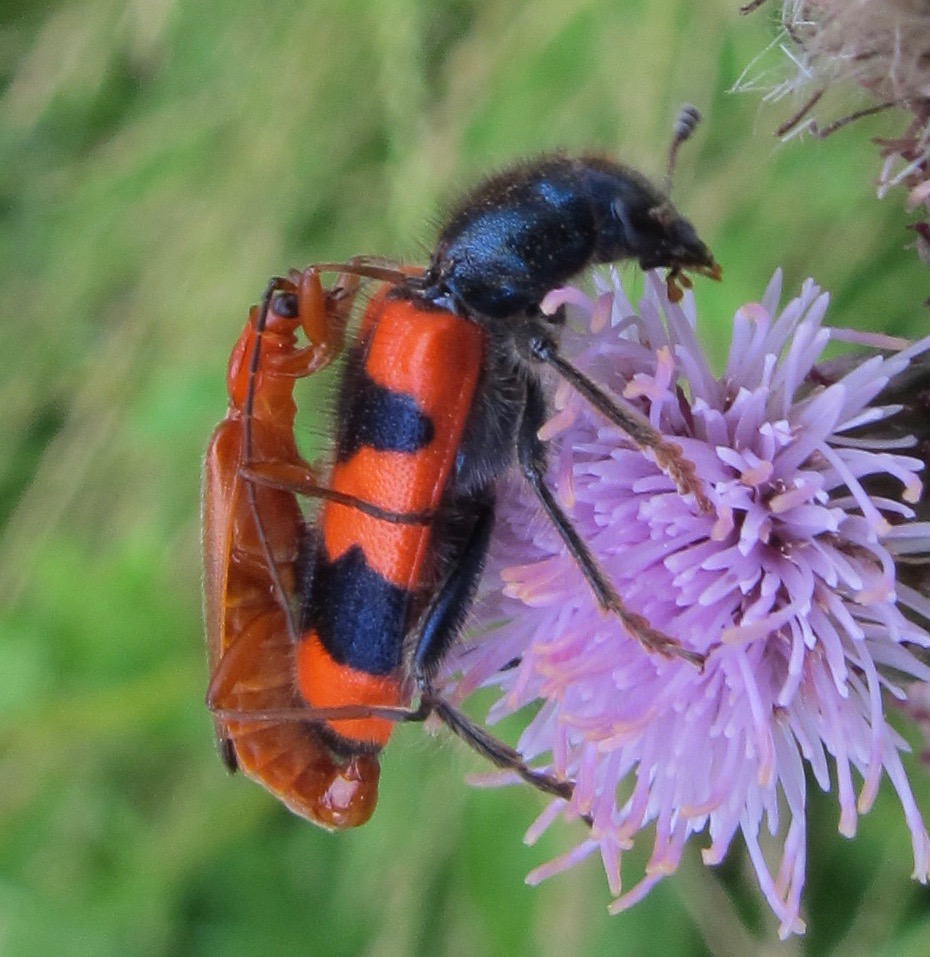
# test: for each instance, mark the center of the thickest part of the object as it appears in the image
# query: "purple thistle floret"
(788, 586)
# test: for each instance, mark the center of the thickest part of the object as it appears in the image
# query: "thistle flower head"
(881, 47)
(788, 585)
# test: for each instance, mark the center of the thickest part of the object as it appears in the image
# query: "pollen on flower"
(788, 586)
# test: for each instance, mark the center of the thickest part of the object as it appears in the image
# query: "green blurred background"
(159, 159)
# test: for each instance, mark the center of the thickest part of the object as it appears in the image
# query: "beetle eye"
(285, 305)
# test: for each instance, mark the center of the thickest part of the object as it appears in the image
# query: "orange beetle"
(251, 541)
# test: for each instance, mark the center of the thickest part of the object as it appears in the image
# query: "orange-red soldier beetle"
(249, 563)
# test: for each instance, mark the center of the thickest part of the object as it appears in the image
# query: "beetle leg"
(531, 454)
(300, 478)
(667, 454)
(440, 623)
(373, 267)
(439, 627)
(495, 750)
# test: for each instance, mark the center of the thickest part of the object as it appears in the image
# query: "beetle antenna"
(685, 124)
(275, 284)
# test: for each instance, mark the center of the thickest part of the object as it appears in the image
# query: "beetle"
(251, 539)
(440, 396)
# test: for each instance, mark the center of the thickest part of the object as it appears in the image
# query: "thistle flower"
(883, 48)
(789, 587)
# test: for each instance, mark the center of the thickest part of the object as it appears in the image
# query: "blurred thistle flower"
(883, 48)
(789, 587)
